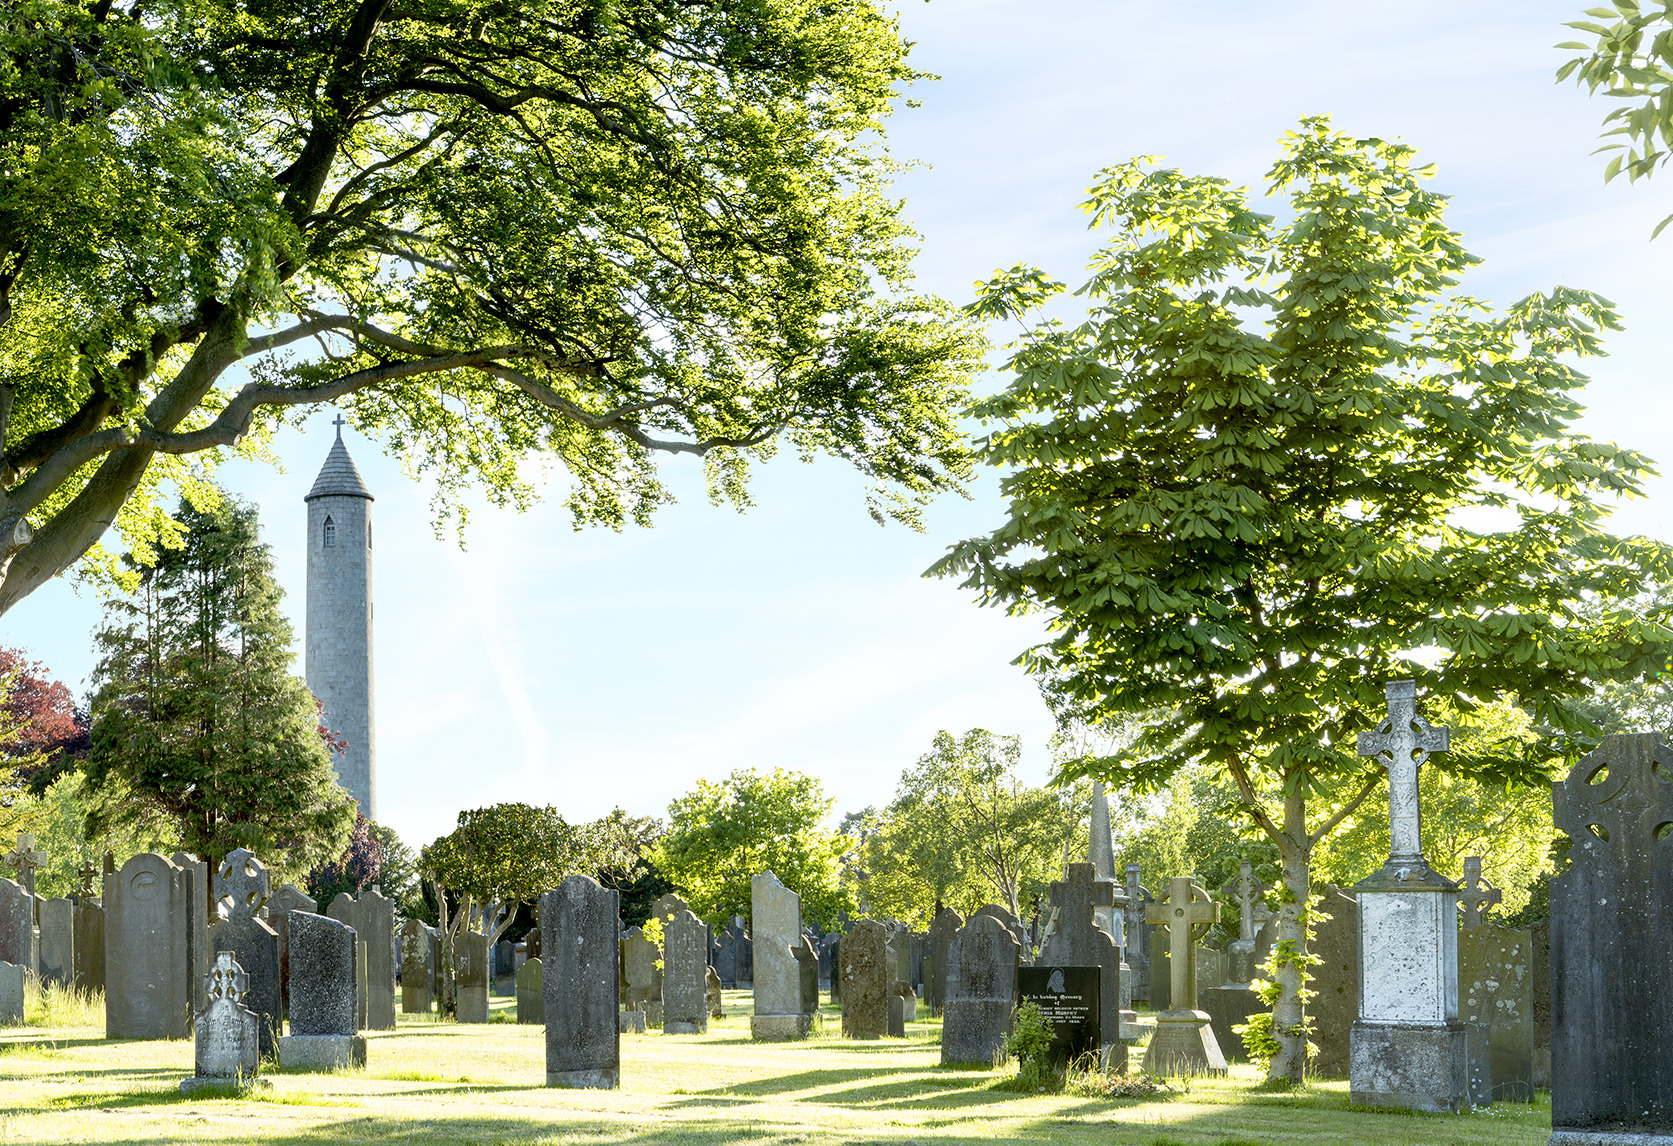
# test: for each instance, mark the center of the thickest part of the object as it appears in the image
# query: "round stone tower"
(338, 662)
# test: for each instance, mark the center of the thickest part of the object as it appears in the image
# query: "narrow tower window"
(330, 533)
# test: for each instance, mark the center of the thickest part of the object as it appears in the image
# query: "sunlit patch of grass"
(34, 1052)
(416, 1076)
(54, 1005)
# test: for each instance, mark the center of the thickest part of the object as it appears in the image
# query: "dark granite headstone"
(726, 960)
(1335, 981)
(287, 899)
(981, 985)
(531, 995)
(865, 983)
(1612, 944)
(241, 889)
(324, 995)
(1069, 999)
(197, 927)
(579, 924)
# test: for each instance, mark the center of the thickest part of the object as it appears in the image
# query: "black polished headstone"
(1069, 999)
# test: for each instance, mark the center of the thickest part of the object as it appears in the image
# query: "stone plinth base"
(778, 1028)
(684, 1028)
(1230, 1006)
(223, 1085)
(1183, 1044)
(631, 1022)
(1419, 1066)
(586, 1079)
(1609, 1138)
(1136, 1032)
(322, 1052)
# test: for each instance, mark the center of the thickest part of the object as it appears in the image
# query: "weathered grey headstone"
(865, 981)
(942, 928)
(775, 925)
(505, 968)
(373, 918)
(1335, 981)
(1496, 1006)
(415, 968)
(981, 986)
(726, 959)
(1079, 941)
(57, 942)
(146, 948)
(685, 980)
(639, 972)
(1011, 924)
(897, 1017)
(579, 924)
(89, 926)
(1184, 1041)
(24, 859)
(470, 976)
(531, 997)
(711, 994)
(667, 906)
(1211, 968)
(17, 925)
(908, 1000)
(226, 1033)
(324, 1003)
(11, 994)
(900, 954)
(807, 963)
(287, 899)
(1612, 947)
(197, 926)
(241, 889)
(1137, 950)
(1407, 1048)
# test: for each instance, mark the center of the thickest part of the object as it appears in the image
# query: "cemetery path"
(431, 1082)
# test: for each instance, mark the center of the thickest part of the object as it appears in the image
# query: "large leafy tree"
(964, 830)
(1631, 59)
(604, 231)
(722, 835)
(196, 716)
(1240, 534)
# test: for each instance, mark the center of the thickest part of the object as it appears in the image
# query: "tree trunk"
(1289, 1017)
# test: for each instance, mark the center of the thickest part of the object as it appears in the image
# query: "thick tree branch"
(1241, 775)
(1371, 785)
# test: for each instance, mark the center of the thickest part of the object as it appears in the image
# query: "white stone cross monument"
(1407, 1047)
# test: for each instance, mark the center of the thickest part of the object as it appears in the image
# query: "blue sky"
(594, 669)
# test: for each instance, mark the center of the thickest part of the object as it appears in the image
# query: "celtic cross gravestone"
(1184, 1041)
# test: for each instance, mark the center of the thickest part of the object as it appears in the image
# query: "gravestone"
(1211, 968)
(1184, 1041)
(685, 978)
(89, 942)
(415, 968)
(17, 925)
(146, 913)
(11, 994)
(807, 964)
(579, 924)
(373, 918)
(667, 907)
(241, 888)
(505, 968)
(941, 932)
(775, 925)
(1230, 1003)
(1011, 924)
(1496, 1006)
(726, 959)
(746, 955)
(897, 1016)
(531, 998)
(226, 1034)
(865, 980)
(711, 993)
(324, 1002)
(1070, 1001)
(1137, 949)
(827, 948)
(908, 1000)
(470, 976)
(58, 951)
(1335, 981)
(1407, 1048)
(1161, 973)
(981, 985)
(1100, 853)
(638, 959)
(630, 1023)
(24, 859)
(1612, 947)
(1540, 961)
(197, 926)
(287, 899)
(1080, 942)
(900, 954)
(1475, 894)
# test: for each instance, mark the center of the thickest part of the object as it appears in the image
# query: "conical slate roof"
(338, 477)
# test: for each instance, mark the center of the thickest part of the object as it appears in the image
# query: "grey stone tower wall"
(338, 660)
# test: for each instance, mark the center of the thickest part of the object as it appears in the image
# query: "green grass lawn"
(433, 1082)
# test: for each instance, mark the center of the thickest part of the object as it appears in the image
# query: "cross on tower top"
(1477, 895)
(339, 423)
(1402, 742)
(243, 879)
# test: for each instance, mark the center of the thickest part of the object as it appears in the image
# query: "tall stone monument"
(241, 888)
(338, 661)
(1080, 941)
(942, 929)
(579, 923)
(775, 927)
(415, 968)
(1407, 1047)
(1184, 1041)
(1612, 948)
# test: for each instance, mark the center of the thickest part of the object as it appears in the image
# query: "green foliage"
(1030, 1044)
(596, 233)
(61, 836)
(963, 830)
(197, 720)
(398, 872)
(1631, 58)
(720, 836)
